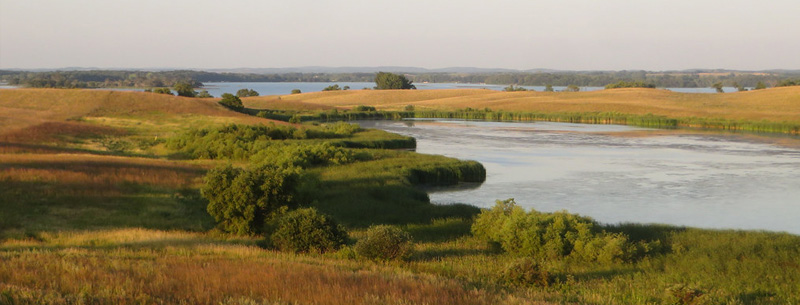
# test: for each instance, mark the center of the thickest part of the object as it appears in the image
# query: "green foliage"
(409, 108)
(334, 87)
(548, 88)
(305, 155)
(296, 91)
(718, 87)
(386, 81)
(231, 101)
(363, 108)
(526, 272)
(184, 88)
(760, 85)
(788, 82)
(511, 88)
(385, 243)
(243, 200)
(572, 88)
(685, 295)
(550, 235)
(306, 230)
(162, 91)
(446, 174)
(246, 93)
(630, 84)
(204, 94)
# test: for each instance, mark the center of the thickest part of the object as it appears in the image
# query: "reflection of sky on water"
(694, 180)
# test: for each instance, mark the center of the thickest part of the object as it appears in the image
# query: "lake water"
(709, 181)
(217, 89)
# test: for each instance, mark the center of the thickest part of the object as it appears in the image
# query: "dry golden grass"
(81, 174)
(21, 108)
(137, 266)
(776, 104)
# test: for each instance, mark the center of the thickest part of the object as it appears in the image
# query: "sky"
(651, 35)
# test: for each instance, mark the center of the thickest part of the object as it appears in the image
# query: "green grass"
(82, 224)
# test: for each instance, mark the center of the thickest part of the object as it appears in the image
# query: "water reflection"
(708, 180)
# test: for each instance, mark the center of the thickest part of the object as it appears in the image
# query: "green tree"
(548, 88)
(760, 86)
(385, 243)
(231, 101)
(386, 81)
(246, 93)
(162, 91)
(185, 89)
(306, 230)
(511, 88)
(244, 200)
(334, 87)
(296, 91)
(718, 86)
(204, 94)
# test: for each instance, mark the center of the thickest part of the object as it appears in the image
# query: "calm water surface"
(709, 181)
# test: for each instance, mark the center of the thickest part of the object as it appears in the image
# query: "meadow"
(101, 205)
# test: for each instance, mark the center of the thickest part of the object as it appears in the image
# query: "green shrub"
(550, 235)
(385, 243)
(306, 230)
(246, 93)
(685, 295)
(304, 155)
(244, 200)
(526, 272)
(363, 108)
(409, 108)
(231, 101)
(296, 91)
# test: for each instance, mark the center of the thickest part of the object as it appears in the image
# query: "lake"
(218, 88)
(700, 180)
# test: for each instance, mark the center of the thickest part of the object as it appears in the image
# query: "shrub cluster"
(630, 84)
(385, 243)
(552, 235)
(306, 230)
(446, 174)
(305, 155)
(244, 200)
(238, 142)
(364, 108)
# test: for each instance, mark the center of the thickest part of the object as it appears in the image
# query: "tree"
(246, 93)
(296, 91)
(244, 200)
(572, 88)
(334, 87)
(204, 94)
(760, 86)
(548, 88)
(162, 91)
(511, 88)
(386, 81)
(231, 101)
(718, 86)
(185, 89)
(306, 230)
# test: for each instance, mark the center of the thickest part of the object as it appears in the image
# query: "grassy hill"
(97, 208)
(775, 105)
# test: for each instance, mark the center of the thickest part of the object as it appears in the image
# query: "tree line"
(145, 79)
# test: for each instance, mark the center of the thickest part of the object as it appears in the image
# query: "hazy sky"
(517, 34)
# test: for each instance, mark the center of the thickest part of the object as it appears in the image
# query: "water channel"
(618, 173)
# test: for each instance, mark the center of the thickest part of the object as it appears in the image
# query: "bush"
(409, 108)
(526, 272)
(631, 84)
(363, 108)
(385, 243)
(244, 200)
(231, 101)
(246, 93)
(162, 91)
(551, 235)
(306, 230)
(296, 91)
(334, 87)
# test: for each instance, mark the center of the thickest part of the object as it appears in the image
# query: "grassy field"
(776, 105)
(95, 208)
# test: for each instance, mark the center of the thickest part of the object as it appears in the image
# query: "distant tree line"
(145, 79)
